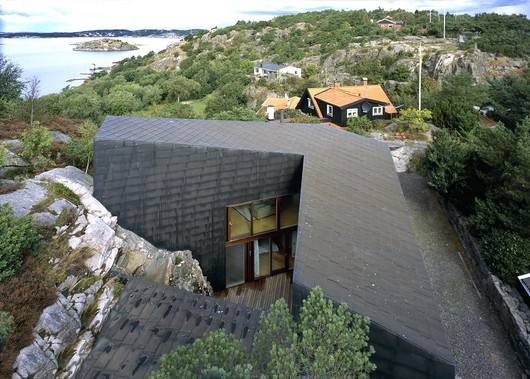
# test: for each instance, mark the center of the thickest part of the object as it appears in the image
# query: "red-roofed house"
(337, 104)
(388, 23)
(278, 103)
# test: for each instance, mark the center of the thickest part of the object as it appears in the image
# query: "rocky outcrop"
(105, 44)
(67, 329)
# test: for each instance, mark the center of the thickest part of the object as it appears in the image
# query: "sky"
(79, 15)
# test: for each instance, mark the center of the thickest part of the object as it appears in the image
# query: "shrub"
(417, 118)
(80, 150)
(37, 141)
(24, 296)
(17, 238)
(445, 163)
(6, 326)
(507, 254)
(359, 125)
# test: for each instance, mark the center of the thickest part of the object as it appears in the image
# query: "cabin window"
(329, 110)
(377, 111)
(352, 112)
(310, 103)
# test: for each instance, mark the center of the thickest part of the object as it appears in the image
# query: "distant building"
(337, 104)
(388, 23)
(274, 71)
(278, 103)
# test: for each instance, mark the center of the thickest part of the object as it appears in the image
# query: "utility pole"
(419, 80)
(444, 23)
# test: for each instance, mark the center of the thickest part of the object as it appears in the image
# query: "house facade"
(388, 23)
(274, 71)
(253, 199)
(338, 104)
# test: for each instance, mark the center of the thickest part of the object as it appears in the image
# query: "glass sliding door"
(262, 257)
(278, 250)
(235, 265)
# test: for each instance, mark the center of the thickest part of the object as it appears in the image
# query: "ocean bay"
(54, 62)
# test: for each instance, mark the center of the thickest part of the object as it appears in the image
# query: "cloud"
(76, 15)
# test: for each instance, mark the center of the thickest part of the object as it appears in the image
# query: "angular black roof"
(355, 239)
(152, 319)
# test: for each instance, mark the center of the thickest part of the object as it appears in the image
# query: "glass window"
(292, 250)
(264, 215)
(289, 210)
(278, 250)
(262, 256)
(329, 110)
(352, 112)
(235, 265)
(239, 221)
(309, 103)
(377, 111)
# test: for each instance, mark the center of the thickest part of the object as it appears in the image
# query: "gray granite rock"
(43, 219)
(25, 198)
(60, 137)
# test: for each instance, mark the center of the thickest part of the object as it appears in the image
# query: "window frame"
(377, 111)
(329, 110)
(352, 112)
(310, 103)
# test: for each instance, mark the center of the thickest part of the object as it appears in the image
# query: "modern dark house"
(252, 199)
(338, 104)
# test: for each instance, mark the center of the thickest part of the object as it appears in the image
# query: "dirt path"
(480, 345)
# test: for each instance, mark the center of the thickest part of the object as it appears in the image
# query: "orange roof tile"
(342, 96)
(279, 103)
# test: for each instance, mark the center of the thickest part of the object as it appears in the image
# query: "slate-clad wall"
(175, 195)
(394, 356)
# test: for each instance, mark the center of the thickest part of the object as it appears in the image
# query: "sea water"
(56, 65)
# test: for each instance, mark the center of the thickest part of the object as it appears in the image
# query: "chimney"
(336, 84)
(364, 81)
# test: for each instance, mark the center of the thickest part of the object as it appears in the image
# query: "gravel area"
(481, 347)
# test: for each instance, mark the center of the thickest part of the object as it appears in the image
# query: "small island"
(105, 44)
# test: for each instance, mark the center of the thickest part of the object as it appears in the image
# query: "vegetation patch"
(24, 296)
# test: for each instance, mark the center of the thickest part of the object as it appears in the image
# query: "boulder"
(43, 219)
(59, 137)
(8, 186)
(71, 177)
(34, 361)
(58, 206)
(59, 321)
(23, 199)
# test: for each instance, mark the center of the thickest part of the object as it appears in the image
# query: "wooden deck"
(260, 294)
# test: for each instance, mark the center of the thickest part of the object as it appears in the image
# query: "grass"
(198, 106)
(56, 191)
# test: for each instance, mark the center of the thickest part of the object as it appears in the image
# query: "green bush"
(80, 150)
(37, 141)
(445, 163)
(6, 326)
(17, 238)
(507, 254)
(359, 125)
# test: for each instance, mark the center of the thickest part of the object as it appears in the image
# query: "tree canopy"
(328, 341)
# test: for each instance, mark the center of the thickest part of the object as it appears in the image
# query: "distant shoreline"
(105, 33)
